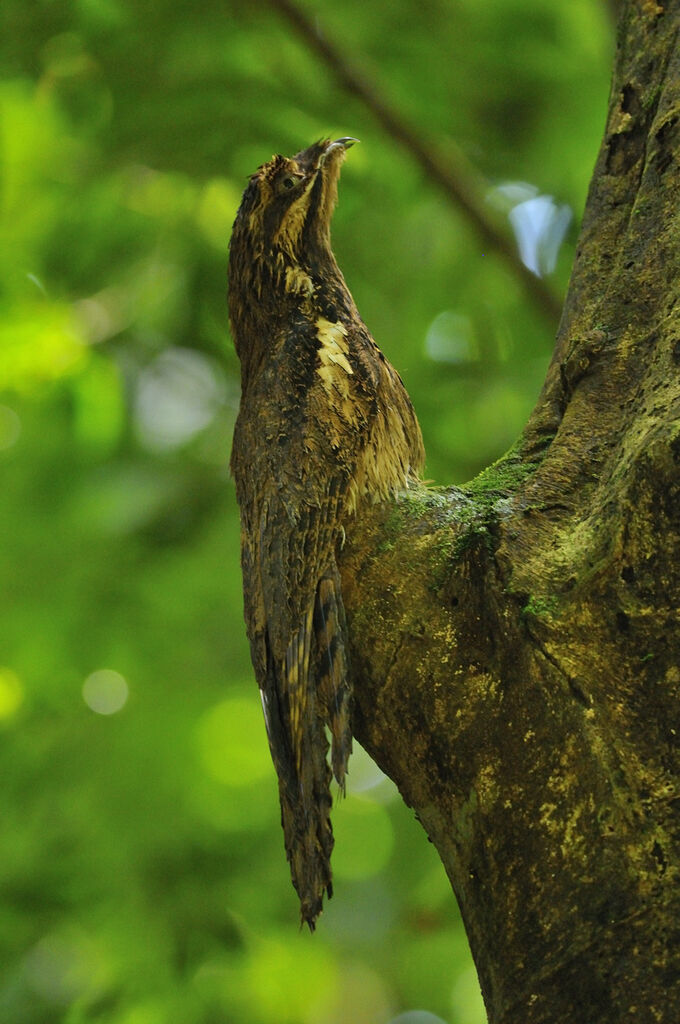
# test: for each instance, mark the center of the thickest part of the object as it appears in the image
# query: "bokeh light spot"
(539, 223)
(450, 339)
(178, 396)
(67, 964)
(540, 226)
(11, 692)
(105, 691)
(285, 977)
(361, 997)
(39, 341)
(232, 742)
(365, 776)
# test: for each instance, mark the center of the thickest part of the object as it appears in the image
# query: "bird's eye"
(288, 183)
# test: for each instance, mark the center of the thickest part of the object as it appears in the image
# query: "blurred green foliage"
(142, 874)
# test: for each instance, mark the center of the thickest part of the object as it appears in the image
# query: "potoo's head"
(289, 201)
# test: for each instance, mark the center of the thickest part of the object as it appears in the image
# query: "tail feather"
(305, 808)
(301, 693)
(334, 686)
(307, 830)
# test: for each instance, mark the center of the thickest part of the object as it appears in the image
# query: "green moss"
(471, 505)
(540, 607)
(456, 518)
(422, 501)
(432, 504)
(390, 532)
(443, 552)
(503, 477)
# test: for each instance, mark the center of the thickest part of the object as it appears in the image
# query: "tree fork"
(516, 642)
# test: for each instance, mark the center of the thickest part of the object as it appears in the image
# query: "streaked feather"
(324, 425)
(334, 680)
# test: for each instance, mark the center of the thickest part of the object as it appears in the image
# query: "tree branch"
(516, 643)
(452, 173)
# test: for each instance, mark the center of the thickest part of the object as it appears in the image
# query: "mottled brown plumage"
(324, 424)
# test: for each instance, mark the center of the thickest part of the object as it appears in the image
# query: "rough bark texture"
(517, 642)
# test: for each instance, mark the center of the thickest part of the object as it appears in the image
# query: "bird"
(325, 426)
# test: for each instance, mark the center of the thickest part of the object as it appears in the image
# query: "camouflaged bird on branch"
(325, 424)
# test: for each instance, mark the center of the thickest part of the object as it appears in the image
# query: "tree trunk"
(516, 643)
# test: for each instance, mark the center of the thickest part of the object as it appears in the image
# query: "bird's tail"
(334, 685)
(308, 835)
(315, 691)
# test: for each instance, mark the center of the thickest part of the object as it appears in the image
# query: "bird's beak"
(345, 143)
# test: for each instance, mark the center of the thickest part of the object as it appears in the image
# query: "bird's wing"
(296, 625)
(293, 598)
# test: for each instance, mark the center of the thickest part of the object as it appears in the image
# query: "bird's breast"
(334, 367)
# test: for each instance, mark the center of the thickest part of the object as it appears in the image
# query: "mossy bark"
(516, 643)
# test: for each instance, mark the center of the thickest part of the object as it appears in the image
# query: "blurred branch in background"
(450, 172)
